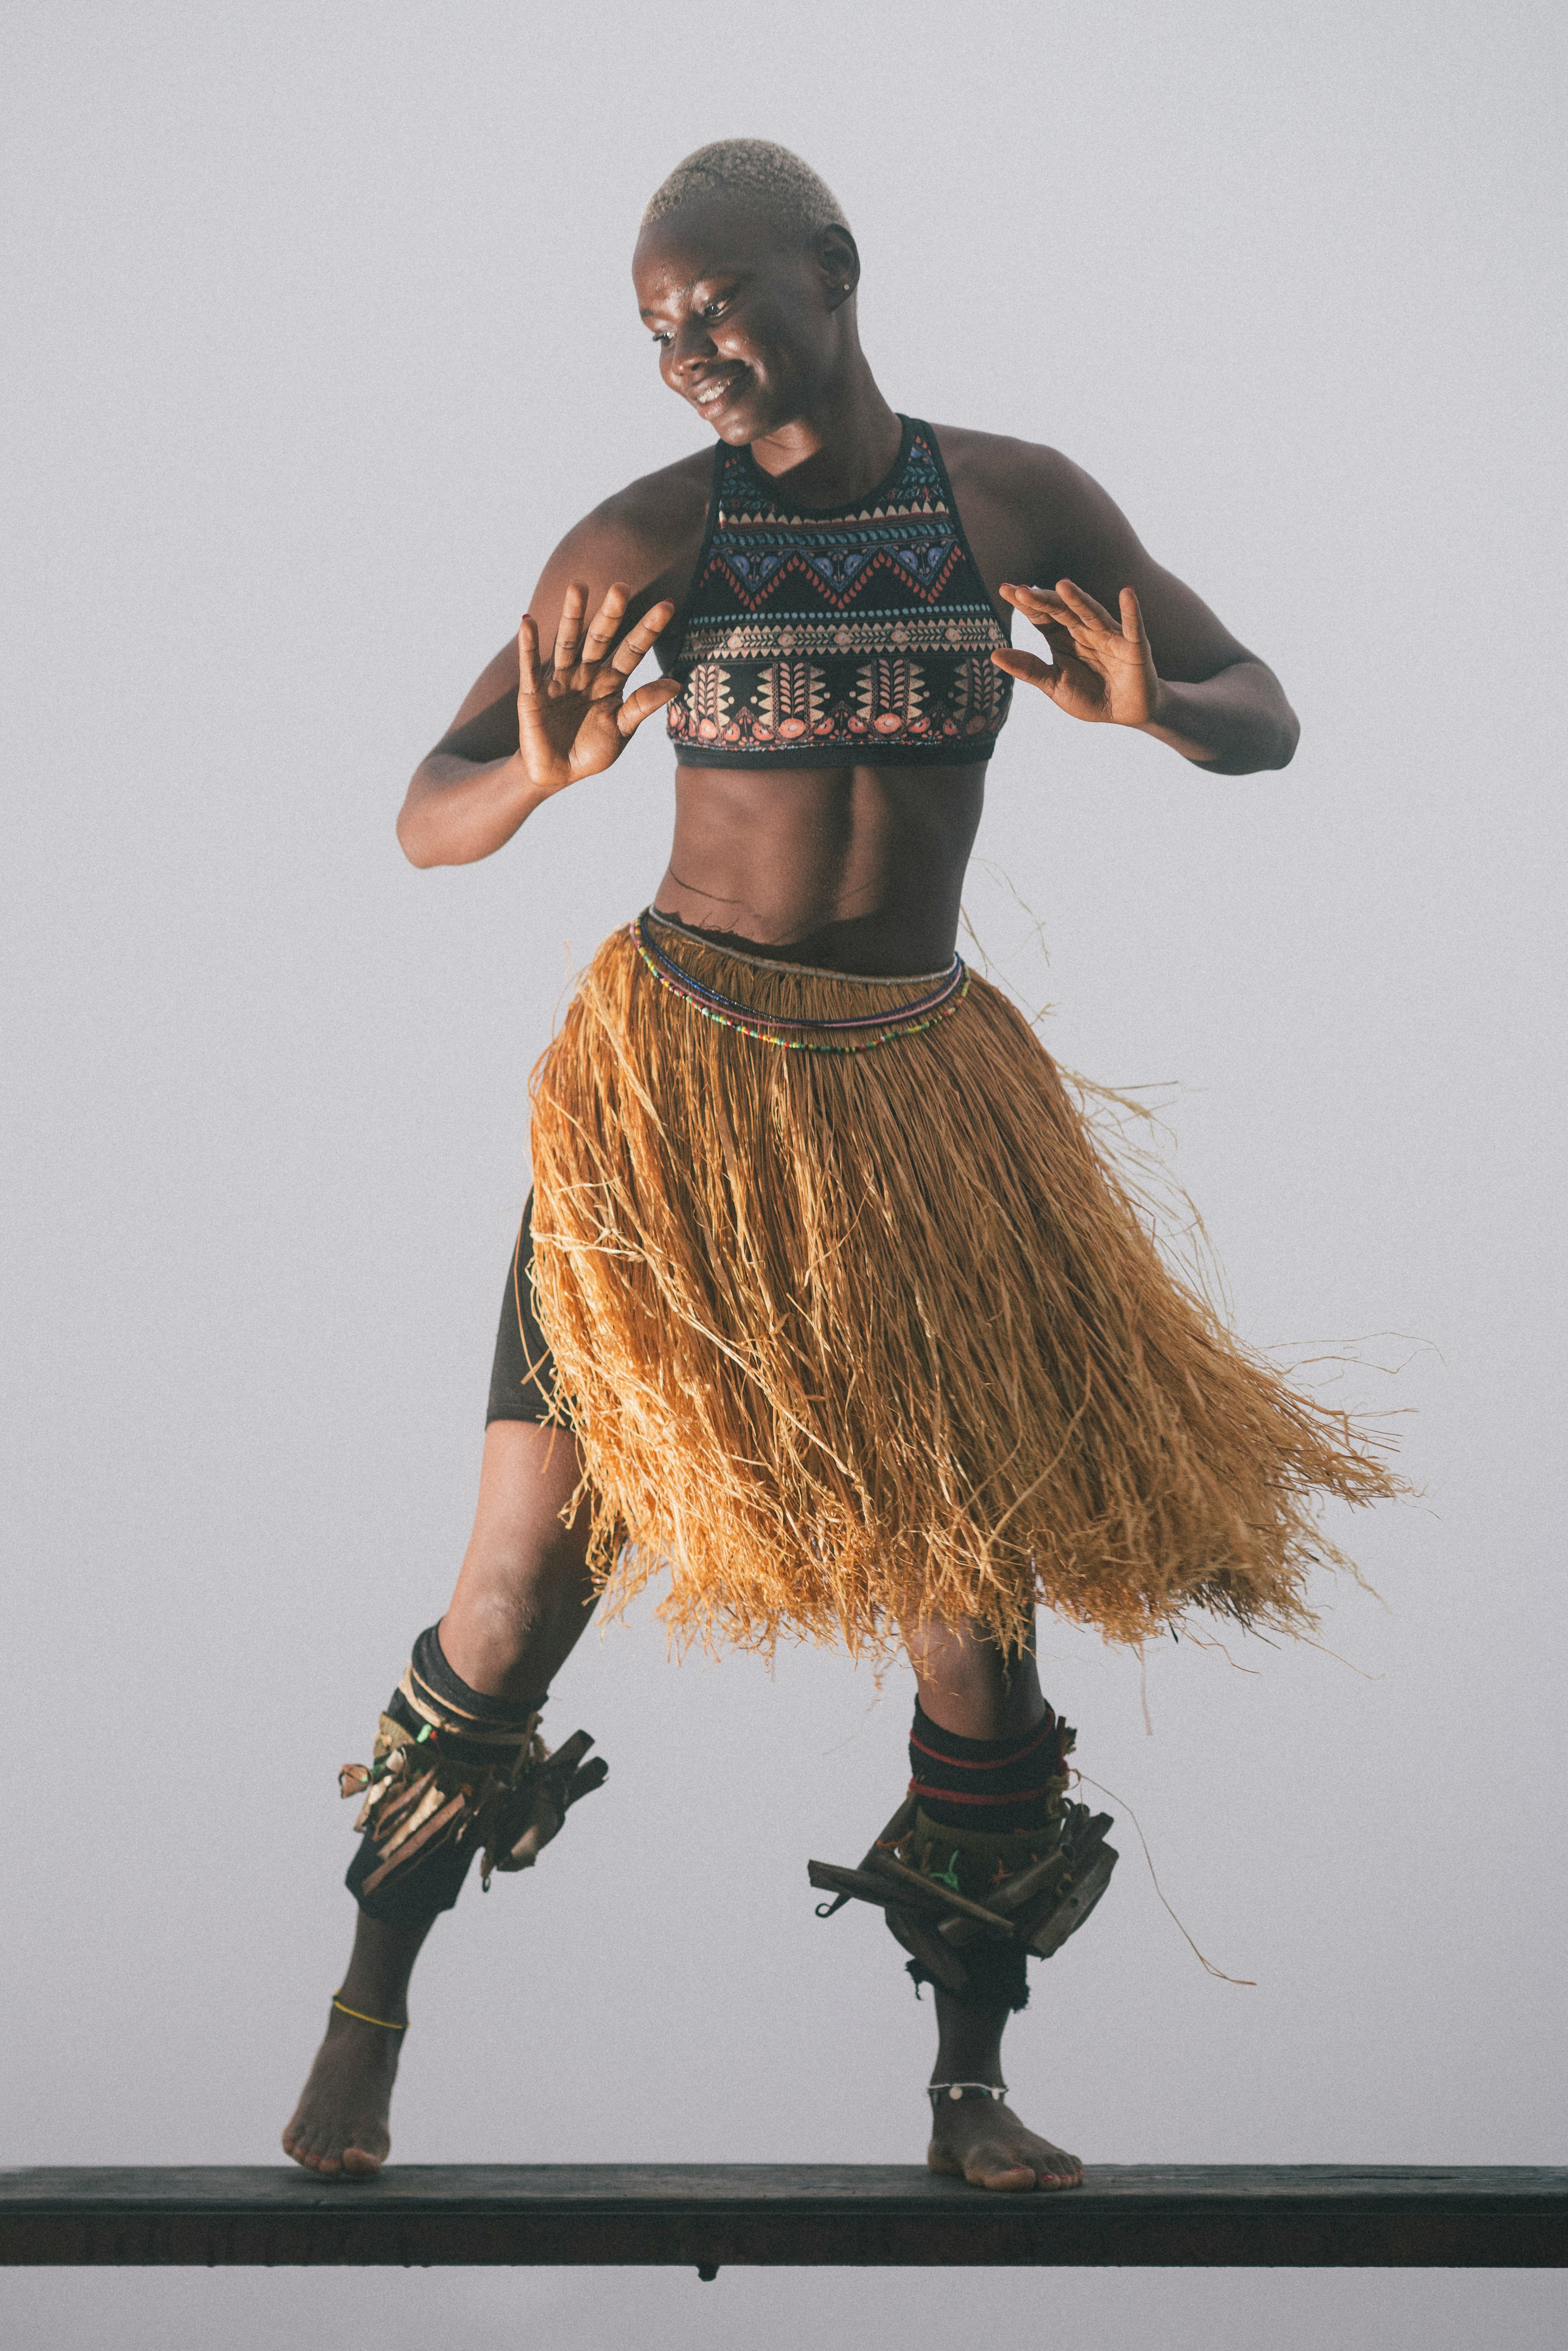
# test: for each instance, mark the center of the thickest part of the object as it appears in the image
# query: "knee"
(973, 1686)
(514, 1591)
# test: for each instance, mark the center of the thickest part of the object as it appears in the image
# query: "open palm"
(574, 715)
(1101, 670)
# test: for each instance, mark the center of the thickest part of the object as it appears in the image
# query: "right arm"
(468, 796)
(527, 728)
(564, 719)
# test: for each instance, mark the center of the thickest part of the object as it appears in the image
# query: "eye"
(660, 341)
(717, 309)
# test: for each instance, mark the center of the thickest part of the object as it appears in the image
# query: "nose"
(692, 344)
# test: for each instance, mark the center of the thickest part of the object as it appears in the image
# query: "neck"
(841, 446)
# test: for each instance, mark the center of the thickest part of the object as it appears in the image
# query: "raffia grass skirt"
(854, 1340)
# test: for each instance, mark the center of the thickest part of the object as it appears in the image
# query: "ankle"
(948, 2094)
(356, 2011)
(375, 1981)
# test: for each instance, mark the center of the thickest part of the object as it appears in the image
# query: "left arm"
(1166, 665)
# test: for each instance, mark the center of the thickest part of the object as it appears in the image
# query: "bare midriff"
(853, 869)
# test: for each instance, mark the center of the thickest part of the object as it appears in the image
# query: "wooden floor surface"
(807, 2215)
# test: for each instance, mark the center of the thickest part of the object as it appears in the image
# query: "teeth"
(713, 391)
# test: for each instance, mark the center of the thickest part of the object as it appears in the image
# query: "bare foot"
(983, 2141)
(339, 2126)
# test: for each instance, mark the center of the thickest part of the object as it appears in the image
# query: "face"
(750, 329)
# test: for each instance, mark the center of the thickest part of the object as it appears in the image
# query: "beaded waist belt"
(858, 1033)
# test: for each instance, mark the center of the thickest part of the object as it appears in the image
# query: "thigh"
(522, 1371)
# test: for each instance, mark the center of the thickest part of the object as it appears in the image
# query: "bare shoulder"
(645, 534)
(1028, 509)
(1001, 466)
(1030, 514)
(671, 492)
(647, 537)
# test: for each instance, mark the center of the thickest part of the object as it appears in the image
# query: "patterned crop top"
(861, 632)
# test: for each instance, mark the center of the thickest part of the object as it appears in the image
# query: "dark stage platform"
(891, 2216)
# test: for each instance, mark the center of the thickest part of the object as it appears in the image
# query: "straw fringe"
(855, 1341)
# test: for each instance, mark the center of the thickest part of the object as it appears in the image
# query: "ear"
(838, 258)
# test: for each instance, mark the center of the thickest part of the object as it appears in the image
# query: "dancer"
(826, 1308)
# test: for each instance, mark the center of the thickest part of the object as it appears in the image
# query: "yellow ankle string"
(360, 2018)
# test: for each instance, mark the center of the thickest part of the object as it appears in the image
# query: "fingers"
(1036, 604)
(1028, 667)
(606, 623)
(1028, 600)
(1067, 604)
(1132, 617)
(643, 704)
(1082, 606)
(569, 630)
(580, 647)
(640, 640)
(530, 672)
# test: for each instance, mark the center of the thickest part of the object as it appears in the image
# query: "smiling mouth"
(717, 391)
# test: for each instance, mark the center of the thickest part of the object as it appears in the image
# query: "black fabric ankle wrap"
(431, 1692)
(996, 1785)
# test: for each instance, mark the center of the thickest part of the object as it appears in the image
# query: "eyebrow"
(649, 310)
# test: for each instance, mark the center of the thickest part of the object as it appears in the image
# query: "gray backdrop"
(318, 335)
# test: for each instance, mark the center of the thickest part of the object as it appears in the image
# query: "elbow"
(1290, 736)
(1275, 735)
(412, 847)
(1284, 746)
(1273, 728)
(1287, 726)
(413, 832)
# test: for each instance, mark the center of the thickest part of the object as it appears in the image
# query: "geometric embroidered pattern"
(810, 634)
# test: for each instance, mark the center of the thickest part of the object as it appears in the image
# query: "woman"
(825, 1302)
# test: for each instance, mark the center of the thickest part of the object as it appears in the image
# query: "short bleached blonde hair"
(756, 173)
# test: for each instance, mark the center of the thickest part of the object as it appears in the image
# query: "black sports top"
(811, 634)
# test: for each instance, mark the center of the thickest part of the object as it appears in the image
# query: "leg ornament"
(454, 1773)
(971, 1905)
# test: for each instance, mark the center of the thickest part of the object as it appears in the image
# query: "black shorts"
(522, 1375)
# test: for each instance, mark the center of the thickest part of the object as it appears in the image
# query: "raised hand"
(574, 716)
(1100, 670)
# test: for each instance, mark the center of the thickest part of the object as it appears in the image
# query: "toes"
(1007, 2179)
(352, 2162)
(300, 2148)
(1009, 2165)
